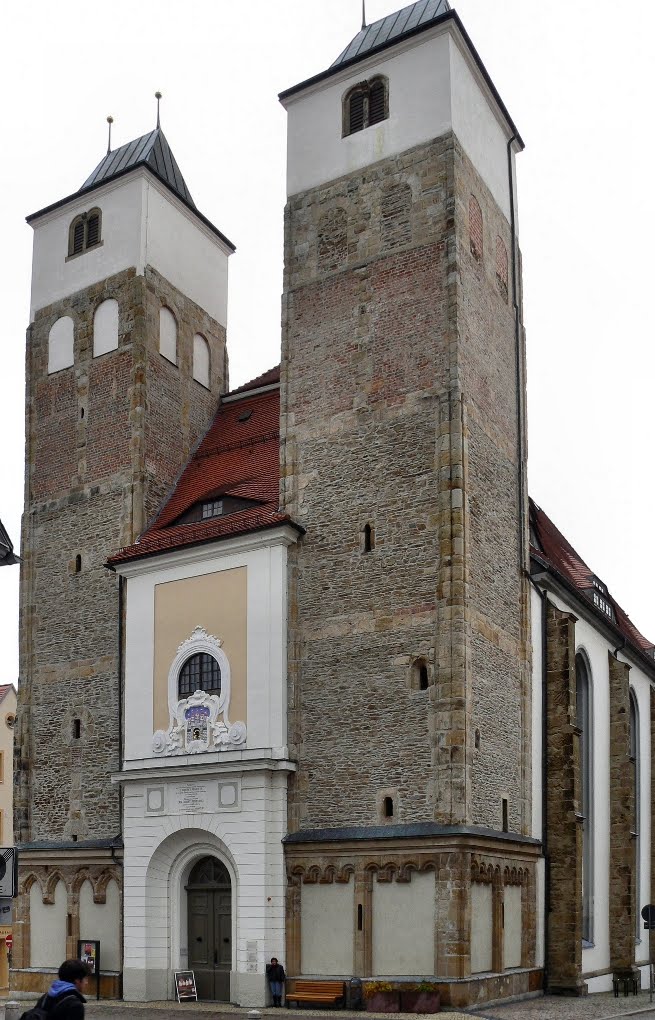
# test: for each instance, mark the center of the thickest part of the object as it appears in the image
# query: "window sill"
(85, 251)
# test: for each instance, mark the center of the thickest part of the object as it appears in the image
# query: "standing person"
(276, 977)
(64, 999)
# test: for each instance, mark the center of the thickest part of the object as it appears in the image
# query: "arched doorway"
(209, 902)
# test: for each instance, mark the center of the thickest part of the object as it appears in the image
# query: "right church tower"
(403, 449)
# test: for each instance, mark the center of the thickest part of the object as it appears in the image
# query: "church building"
(304, 673)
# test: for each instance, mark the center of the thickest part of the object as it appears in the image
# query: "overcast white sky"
(578, 81)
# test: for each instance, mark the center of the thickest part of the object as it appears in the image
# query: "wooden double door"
(209, 900)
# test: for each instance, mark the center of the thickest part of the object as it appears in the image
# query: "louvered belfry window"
(377, 102)
(356, 112)
(78, 237)
(365, 105)
(92, 230)
(84, 232)
(199, 673)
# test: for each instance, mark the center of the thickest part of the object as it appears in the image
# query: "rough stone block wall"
(499, 604)
(360, 424)
(95, 467)
(563, 804)
(383, 309)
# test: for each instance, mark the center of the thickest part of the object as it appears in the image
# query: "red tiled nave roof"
(555, 552)
(238, 457)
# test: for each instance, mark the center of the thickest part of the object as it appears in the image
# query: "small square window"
(212, 509)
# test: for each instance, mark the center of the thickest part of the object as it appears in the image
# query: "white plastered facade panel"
(230, 804)
(48, 927)
(61, 344)
(434, 87)
(481, 927)
(143, 224)
(512, 926)
(102, 921)
(327, 934)
(403, 926)
(105, 328)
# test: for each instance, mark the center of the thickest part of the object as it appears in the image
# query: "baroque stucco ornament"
(199, 722)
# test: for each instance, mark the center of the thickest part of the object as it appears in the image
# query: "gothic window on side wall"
(583, 692)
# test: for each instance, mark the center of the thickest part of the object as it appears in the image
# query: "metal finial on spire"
(110, 121)
(157, 97)
(363, 15)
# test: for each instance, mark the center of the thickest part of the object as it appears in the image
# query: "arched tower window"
(200, 672)
(60, 344)
(636, 786)
(85, 232)
(584, 724)
(105, 327)
(365, 104)
(201, 360)
(168, 334)
(475, 228)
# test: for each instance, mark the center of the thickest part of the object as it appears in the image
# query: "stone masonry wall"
(498, 590)
(363, 366)
(377, 430)
(95, 469)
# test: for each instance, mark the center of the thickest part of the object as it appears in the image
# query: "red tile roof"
(239, 457)
(4, 690)
(551, 549)
(266, 379)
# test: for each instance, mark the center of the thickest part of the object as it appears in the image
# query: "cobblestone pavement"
(557, 1007)
(591, 1007)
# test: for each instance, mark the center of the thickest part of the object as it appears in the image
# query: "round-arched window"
(200, 672)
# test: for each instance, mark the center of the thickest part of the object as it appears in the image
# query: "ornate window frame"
(214, 733)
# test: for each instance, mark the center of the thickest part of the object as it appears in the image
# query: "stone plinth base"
(33, 982)
(490, 987)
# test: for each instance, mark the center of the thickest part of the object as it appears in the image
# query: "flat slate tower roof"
(391, 29)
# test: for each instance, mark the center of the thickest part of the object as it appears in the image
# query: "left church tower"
(126, 359)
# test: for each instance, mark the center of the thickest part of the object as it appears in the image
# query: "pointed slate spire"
(151, 150)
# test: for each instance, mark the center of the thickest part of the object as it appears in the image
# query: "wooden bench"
(327, 993)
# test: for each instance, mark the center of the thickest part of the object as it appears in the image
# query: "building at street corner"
(304, 673)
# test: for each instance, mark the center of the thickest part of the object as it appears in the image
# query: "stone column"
(564, 853)
(622, 893)
(453, 915)
(293, 924)
(363, 962)
(529, 918)
(451, 702)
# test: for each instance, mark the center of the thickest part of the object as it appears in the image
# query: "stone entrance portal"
(210, 928)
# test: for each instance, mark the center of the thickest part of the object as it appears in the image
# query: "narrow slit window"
(360, 917)
(78, 564)
(505, 815)
(423, 678)
(388, 807)
(77, 729)
(369, 538)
